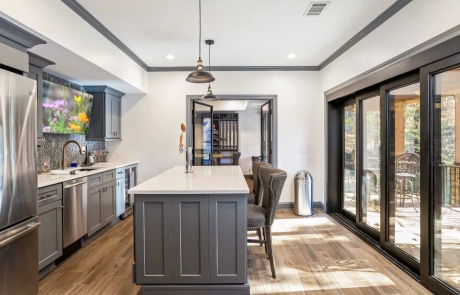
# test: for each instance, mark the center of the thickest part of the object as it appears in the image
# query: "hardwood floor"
(313, 255)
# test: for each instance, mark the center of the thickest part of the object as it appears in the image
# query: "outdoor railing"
(451, 184)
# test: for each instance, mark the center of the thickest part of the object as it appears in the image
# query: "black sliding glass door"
(349, 158)
(266, 131)
(442, 183)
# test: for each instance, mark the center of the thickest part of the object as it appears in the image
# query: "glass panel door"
(403, 170)
(349, 158)
(446, 113)
(370, 162)
(202, 134)
(266, 132)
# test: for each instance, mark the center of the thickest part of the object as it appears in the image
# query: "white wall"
(53, 20)
(416, 23)
(249, 124)
(151, 124)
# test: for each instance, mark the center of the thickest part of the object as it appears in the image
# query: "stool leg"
(259, 233)
(265, 239)
(270, 251)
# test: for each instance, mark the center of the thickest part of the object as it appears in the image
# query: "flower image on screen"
(65, 110)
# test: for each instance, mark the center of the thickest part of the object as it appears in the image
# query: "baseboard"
(46, 271)
(290, 205)
(196, 289)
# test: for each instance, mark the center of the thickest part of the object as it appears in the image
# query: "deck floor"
(313, 255)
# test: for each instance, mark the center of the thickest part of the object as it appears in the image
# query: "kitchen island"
(190, 232)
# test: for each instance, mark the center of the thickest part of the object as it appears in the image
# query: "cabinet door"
(153, 239)
(109, 132)
(116, 116)
(120, 196)
(49, 233)
(35, 73)
(190, 239)
(108, 203)
(95, 221)
(227, 239)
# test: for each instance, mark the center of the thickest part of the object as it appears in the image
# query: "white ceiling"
(246, 32)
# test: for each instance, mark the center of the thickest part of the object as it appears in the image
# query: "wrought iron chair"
(407, 173)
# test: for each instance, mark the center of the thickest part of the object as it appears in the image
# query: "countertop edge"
(188, 192)
(96, 171)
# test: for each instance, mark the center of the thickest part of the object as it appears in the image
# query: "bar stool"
(262, 217)
(254, 197)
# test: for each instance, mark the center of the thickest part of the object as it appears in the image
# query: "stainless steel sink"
(87, 169)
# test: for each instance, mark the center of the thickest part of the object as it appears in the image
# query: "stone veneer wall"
(51, 149)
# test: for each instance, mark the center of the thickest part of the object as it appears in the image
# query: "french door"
(202, 121)
(266, 131)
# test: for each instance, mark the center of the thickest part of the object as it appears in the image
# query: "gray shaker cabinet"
(95, 221)
(190, 239)
(105, 122)
(50, 230)
(101, 206)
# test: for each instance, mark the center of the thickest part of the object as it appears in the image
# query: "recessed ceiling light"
(170, 56)
(290, 56)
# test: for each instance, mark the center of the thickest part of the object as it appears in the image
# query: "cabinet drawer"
(95, 180)
(49, 194)
(109, 176)
(120, 172)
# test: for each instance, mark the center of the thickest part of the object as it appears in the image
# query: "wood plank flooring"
(313, 255)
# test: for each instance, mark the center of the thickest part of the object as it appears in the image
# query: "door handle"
(29, 228)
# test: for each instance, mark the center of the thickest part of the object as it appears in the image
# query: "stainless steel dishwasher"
(75, 223)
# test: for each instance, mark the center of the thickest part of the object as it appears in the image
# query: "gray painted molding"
(290, 205)
(38, 61)
(383, 17)
(449, 34)
(91, 20)
(16, 37)
(272, 97)
(236, 68)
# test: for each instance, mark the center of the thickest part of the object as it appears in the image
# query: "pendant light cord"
(210, 58)
(199, 41)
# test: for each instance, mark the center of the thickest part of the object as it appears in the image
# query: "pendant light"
(200, 75)
(209, 96)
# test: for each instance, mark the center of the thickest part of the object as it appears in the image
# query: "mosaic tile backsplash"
(51, 149)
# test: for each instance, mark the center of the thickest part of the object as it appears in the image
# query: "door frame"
(269, 128)
(272, 97)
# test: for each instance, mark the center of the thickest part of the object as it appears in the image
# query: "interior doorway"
(235, 129)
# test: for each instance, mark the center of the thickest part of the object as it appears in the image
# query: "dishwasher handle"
(75, 184)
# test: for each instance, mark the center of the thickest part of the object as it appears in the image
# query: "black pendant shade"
(209, 96)
(199, 75)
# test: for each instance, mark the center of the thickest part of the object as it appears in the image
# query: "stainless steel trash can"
(303, 193)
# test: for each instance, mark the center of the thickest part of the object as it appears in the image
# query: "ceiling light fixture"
(290, 56)
(170, 56)
(200, 75)
(209, 96)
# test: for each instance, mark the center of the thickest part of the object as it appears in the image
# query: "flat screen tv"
(65, 110)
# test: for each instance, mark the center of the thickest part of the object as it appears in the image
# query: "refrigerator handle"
(29, 228)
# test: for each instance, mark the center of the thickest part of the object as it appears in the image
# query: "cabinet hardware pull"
(48, 196)
(61, 207)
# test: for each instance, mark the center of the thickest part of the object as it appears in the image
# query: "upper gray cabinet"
(36, 66)
(105, 124)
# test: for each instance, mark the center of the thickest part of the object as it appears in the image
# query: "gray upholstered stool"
(254, 197)
(262, 217)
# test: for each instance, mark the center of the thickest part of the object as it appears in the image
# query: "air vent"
(315, 8)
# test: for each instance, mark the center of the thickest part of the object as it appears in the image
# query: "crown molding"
(383, 17)
(236, 68)
(38, 61)
(16, 37)
(91, 20)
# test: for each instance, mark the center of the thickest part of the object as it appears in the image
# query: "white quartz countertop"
(203, 180)
(49, 179)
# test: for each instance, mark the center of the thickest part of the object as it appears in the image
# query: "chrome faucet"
(64, 164)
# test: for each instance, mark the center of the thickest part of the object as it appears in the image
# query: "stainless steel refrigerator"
(18, 185)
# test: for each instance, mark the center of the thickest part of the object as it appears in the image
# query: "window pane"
(404, 169)
(370, 191)
(447, 176)
(349, 156)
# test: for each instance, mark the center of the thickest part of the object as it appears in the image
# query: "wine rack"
(225, 132)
